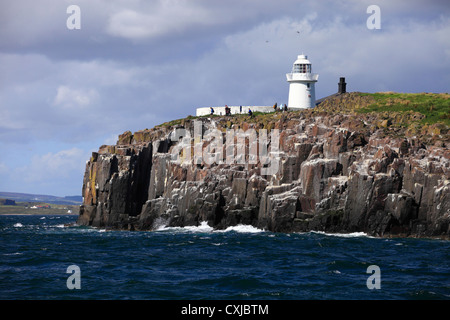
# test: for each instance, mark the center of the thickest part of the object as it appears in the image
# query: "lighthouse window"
(302, 68)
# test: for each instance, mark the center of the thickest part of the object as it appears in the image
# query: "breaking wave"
(344, 235)
(205, 228)
(243, 228)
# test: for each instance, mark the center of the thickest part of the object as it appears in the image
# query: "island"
(377, 163)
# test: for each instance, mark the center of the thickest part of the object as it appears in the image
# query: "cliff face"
(330, 172)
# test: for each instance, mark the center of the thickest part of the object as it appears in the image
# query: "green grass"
(25, 208)
(435, 107)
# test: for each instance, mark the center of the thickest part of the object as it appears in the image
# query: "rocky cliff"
(332, 169)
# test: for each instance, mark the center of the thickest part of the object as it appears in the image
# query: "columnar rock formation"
(335, 173)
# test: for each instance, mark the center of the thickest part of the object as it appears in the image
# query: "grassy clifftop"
(429, 108)
(435, 107)
(425, 116)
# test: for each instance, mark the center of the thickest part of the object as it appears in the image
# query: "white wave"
(204, 227)
(18, 225)
(242, 228)
(60, 226)
(344, 235)
(13, 254)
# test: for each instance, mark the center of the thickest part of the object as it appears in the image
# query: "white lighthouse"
(301, 84)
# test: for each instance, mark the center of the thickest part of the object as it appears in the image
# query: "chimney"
(342, 85)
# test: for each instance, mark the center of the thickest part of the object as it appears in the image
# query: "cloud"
(56, 173)
(172, 18)
(135, 64)
(71, 101)
(3, 168)
(36, 171)
(164, 18)
(59, 165)
(70, 98)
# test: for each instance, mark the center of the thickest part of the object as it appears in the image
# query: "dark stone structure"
(342, 85)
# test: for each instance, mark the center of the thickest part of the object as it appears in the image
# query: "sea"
(50, 257)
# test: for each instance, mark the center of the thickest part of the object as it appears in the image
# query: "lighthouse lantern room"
(301, 84)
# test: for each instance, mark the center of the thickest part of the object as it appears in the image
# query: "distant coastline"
(13, 203)
(22, 209)
(41, 198)
(37, 214)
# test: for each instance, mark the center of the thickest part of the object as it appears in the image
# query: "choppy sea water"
(194, 263)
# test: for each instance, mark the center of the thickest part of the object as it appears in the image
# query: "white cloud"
(3, 168)
(57, 173)
(59, 166)
(74, 98)
(161, 19)
(168, 18)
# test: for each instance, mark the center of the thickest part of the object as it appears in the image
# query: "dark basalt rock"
(336, 174)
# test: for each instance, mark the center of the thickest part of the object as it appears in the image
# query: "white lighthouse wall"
(300, 96)
(233, 110)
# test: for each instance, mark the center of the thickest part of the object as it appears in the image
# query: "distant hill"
(26, 197)
(7, 202)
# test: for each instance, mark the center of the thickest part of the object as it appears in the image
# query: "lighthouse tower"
(301, 84)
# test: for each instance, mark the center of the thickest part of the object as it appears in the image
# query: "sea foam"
(243, 228)
(205, 228)
(344, 235)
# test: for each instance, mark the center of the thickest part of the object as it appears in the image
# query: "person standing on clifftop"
(250, 113)
(212, 110)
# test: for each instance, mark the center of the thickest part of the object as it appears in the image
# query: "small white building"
(302, 93)
(233, 110)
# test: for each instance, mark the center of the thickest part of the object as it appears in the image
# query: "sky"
(135, 64)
